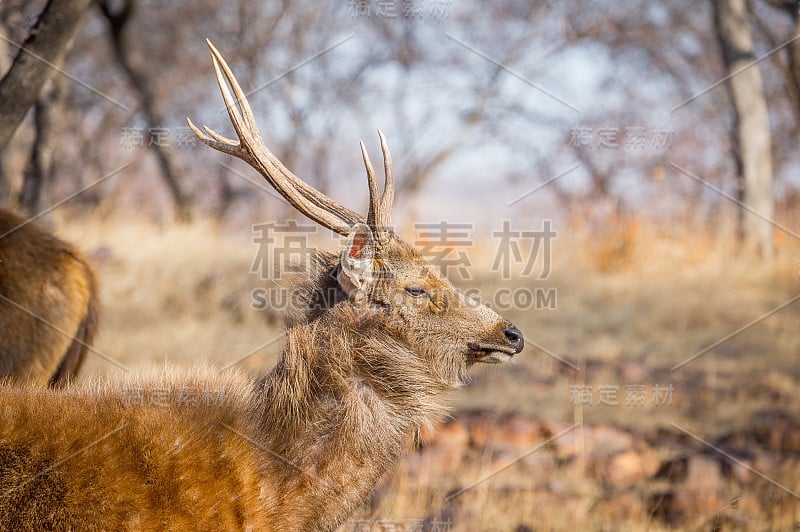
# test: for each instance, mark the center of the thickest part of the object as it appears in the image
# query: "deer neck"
(342, 402)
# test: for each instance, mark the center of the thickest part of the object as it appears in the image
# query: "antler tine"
(218, 142)
(373, 217)
(233, 109)
(220, 138)
(251, 148)
(387, 199)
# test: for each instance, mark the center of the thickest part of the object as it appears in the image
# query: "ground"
(659, 392)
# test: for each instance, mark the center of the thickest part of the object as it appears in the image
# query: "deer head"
(377, 272)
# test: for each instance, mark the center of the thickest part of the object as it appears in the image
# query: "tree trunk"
(32, 66)
(751, 121)
(794, 61)
(167, 161)
(41, 168)
(30, 196)
(5, 64)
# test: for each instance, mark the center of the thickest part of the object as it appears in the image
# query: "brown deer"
(48, 304)
(298, 449)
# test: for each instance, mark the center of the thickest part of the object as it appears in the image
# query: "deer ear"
(356, 271)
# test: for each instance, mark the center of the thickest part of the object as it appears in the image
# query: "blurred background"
(619, 181)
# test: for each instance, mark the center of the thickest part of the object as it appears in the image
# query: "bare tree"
(753, 140)
(137, 74)
(790, 67)
(672, 42)
(33, 65)
(6, 16)
(42, 162)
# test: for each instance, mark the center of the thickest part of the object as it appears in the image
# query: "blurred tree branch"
(33, 65)
(442, 106)
(790, 66)
(142, 83)
(41, 168)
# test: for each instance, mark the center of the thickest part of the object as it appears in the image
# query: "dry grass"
(624, 316)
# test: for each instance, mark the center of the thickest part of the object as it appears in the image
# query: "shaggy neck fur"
(339, 408)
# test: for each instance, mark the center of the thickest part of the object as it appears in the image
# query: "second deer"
(48, 305)
(385, 339)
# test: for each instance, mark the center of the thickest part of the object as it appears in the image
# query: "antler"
(251, 149)
(380, 214)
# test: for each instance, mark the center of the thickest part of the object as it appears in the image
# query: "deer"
(48, 305)
(384, 340)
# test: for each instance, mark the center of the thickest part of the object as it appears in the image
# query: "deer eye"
(416, 291)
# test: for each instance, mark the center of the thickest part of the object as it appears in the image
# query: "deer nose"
(514, 338)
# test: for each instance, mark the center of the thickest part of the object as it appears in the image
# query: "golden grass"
(624, 316)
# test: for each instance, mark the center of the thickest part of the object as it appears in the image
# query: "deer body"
(273, 454)
(48, 304)
(370, 357)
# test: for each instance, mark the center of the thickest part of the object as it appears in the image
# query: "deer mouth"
(490, 353)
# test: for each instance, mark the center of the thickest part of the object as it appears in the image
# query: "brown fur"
(369, 356)
(48, 304)
(298, 449)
